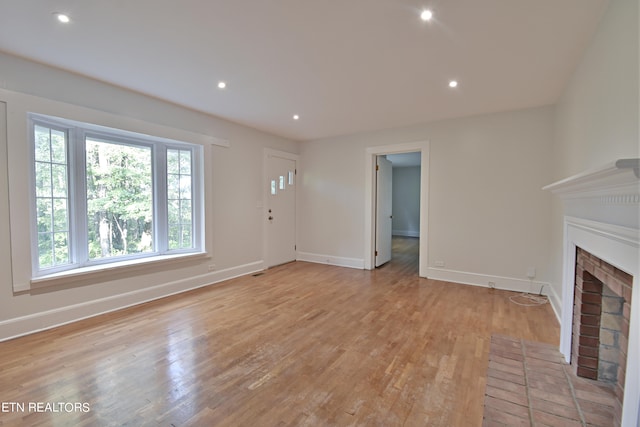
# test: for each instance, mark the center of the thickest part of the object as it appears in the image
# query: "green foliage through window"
(52, 202)
(106, 195)
(119, 199)
(179, 198)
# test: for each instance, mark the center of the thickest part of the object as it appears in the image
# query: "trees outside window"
(51, 196)
(119, 199)
(108, 195)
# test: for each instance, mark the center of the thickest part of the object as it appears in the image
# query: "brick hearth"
(529, 384)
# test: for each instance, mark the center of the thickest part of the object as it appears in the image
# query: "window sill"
(107, 270)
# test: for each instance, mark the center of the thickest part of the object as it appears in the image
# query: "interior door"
(281, 210)
(384, 177)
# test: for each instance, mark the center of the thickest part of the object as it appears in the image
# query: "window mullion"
(79, 245)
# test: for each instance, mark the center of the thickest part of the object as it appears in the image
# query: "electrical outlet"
(439, 263)
(531, 273)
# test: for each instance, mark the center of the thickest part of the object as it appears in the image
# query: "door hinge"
(295, 171)
(295, 247)
(377, 168)
(376, 253)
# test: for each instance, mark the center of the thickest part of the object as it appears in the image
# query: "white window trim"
(76, 132)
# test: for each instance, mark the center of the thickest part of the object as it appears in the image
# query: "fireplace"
(600, 315)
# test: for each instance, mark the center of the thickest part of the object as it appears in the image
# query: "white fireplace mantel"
(619, 179)
(602, 216)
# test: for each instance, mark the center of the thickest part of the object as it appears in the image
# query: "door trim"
(370, 207)
(270, 152)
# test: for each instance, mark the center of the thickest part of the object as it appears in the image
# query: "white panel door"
(384, 177)
(281, 210)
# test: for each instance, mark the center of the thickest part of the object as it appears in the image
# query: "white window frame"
(77, 132)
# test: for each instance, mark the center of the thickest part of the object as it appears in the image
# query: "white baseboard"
(556, 303)
(476, 279)
(29, 324)
(24, 325)
(331, 260)
(406, 233)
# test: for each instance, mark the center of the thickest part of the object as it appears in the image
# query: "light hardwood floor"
(301, 344)
(404, 256)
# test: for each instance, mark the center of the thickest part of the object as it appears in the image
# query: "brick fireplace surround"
(601, 317)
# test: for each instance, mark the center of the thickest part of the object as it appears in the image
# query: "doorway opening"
(414, 238)
(405, 212)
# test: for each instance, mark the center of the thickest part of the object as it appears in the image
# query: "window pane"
(173, 187)
(173, 161)
(45, 250)
(119, 199)
(185, 187)
(185, 162)
(58, 146)
(42, 144)
(282, 182)
(174, 211)
(51, 188)
(186, 237)
(185, 211)
(59, 180)
(43, 179)
(60, 215)
(44, 212)
(174, 236)
(61, 248)
(179, 193)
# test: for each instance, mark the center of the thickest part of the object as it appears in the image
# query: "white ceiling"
(343, 66)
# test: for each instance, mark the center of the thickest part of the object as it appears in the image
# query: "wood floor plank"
(301, 344)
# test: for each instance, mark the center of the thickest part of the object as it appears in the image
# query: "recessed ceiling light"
(453, 83)
(426, 15)
(296, 117)
(221, 85)
(62, 17)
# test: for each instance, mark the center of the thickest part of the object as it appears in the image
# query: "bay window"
(103, 195)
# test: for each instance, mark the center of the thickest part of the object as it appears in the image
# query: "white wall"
(406, 201)
(488, 217)
(597, 115)
(233, 178)
(597, 122)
